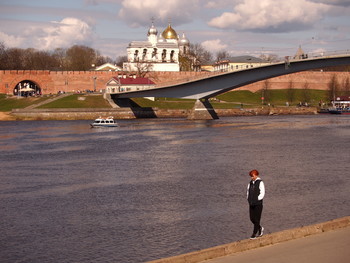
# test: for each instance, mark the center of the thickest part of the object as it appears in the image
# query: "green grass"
(229, 100)
(73, 101)
(14, 102)
(241, 96)
(274, 97)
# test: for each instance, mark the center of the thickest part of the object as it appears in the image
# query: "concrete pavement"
(322, 243)
(326, 247)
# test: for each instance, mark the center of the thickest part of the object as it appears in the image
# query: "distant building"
(300, 54)
(237, 63)
(122, 83)
(158, 52)
(108, 67)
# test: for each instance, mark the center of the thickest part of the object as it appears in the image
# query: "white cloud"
(139, 12)
(214, 45)
(48, 36)
(271, 15)
(10, 40)
(65, 33)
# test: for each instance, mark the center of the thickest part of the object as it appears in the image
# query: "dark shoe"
(261, 232)
(253, 237)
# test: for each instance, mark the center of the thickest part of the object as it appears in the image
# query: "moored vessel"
(104, 122)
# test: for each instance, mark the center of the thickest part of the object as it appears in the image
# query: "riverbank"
(132, 113)
(6, 116)
(266, 240)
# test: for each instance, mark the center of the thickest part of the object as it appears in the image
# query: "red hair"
(254, 172)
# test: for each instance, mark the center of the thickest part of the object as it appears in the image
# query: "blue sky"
(240, 27)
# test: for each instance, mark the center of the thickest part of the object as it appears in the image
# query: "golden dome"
(169, 33)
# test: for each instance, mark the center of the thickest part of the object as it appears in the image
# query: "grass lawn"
(229, 100)
(14, 102)
(78, 101)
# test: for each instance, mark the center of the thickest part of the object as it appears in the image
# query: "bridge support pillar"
(202, 110)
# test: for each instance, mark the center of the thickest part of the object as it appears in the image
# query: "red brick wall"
(69, 81)
(315, 80)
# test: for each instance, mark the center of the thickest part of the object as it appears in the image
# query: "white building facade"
(157, 53)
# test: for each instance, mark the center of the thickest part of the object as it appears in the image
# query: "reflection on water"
(156, 188)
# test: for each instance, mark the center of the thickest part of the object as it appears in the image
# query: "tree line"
(77, 57)
(82, 58)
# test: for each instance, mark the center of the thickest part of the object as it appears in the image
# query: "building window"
(164, 55)
(136, 55)
(144, 54)
(172, 56)
(154, 53)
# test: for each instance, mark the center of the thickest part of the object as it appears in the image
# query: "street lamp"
(94, 83)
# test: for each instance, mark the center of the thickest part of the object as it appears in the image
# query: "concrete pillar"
(202, 110)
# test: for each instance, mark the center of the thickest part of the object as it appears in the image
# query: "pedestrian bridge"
(216, 83)
(220, 82)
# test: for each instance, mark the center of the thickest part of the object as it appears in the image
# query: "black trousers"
(255, 216)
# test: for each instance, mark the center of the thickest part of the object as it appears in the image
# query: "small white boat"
(104, 122)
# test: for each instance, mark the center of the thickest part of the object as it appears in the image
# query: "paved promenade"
(327, 247)
(326, 242)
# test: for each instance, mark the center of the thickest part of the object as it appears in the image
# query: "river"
(155, 188)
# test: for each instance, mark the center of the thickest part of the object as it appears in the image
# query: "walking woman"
(255, 196)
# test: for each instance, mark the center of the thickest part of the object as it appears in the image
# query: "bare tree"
(185, 63)
(142, 69)
(80, 57)
(14, 58)
(269, 57)
(265, 93)
(59, 55)
(222, 55)
(290, 92)
(333, 88)
(306, 93)
(3, 56)
(200, 55)
(120, 60)
(346, 87)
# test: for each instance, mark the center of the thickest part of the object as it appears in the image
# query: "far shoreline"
(141, 113)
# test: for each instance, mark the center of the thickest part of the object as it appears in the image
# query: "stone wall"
(51, 82)
(132, 113)
(73, 81)
(314, 79)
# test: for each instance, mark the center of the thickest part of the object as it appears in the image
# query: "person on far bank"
(255, 196)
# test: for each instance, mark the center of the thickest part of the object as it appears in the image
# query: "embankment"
(266, 240)
(132, 113)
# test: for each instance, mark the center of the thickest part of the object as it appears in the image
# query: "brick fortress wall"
(73, 81)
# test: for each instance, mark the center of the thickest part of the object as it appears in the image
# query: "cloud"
(48, 36)
(214, 45)
(10, 40)
(139, 12)
(333, 2)
(65, 33)
(271, 16)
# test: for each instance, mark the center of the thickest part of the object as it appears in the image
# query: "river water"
(160, 187)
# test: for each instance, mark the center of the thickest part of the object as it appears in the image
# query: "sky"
(239, 27)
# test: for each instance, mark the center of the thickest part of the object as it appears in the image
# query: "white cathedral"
(158, 53)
